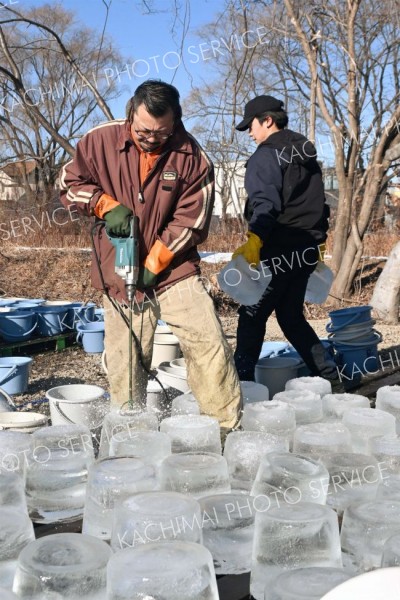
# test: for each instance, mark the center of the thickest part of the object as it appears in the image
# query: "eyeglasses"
(146, 134)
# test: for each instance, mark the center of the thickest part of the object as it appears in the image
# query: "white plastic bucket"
(170, 376)
(275, 371)
(24, 422)
(165, 348)
(80, 404)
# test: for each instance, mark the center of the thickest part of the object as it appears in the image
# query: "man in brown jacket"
(149, 166)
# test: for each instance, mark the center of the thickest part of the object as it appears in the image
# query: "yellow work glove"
(321, 252)
(251, 249)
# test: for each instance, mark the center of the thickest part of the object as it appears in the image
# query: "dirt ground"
(65, 275)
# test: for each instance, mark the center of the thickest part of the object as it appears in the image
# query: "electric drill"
(127, 256)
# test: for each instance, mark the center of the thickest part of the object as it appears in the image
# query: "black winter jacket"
(286, 202)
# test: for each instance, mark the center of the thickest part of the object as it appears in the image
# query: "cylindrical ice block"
(167, 570)
(365, 529)
(386, 449)
(228, 531)
(193, 433)
(305, 584)
(318, 385)
(150, 446)
(388, 399)
(119, 420)
(335, 405)
(293, 536)
(196, 473)
(391, 551)
(156, 517)
(185, 404)
(353, 478)
(16, 531)
(57, 472)
(111, 480)
(365, 423)
(306, 404)
(66, 566)
(318, 439)
(294, 478)
(243, 452)
(271, 417)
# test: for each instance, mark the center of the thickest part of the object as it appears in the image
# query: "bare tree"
(50, 77)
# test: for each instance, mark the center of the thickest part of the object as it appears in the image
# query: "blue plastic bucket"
(349, 316)
(357, 358)
(91, 335)
(14, 374)
(51, 319)
(78, 312)
(17, 326)
(99, 314)
(25, 306)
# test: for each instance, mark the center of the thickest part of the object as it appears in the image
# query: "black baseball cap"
(258, 106)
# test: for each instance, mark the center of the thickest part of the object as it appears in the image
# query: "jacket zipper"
(141, 185)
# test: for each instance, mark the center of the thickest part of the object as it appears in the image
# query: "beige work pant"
(189, 311)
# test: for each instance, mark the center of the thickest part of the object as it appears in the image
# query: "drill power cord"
(127, 321)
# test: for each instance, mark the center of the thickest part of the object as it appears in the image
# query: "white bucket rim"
(10, 420)
(52, 397)
(165, 339)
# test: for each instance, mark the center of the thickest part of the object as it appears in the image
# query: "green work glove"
(146, 278)
(251, 249)
(118, 220)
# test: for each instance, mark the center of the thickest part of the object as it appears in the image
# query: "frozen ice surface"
(365, 528)
(111, 480)
(290, 537)
(386, 449)
(193, 433)
(254, 392)
(150, 446)
(7, 594)
(196, 473)
(306, 404)
(57, 472)
(15, 447)
(162, 571)
(388, 399)
(228, 531)
(318, 439)
(12, 490)
(365, 423)
(391, 551)
(305, 584)
(389, 489)
(155, 517)
(291, 478)
(243, 452)
(318, 385)
(63, 566)
(16, 531)
(269, 416)
(353, 478)
(335, 405)
(185, 404)
(118, 420)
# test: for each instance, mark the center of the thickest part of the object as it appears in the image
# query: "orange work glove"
(157, 261)
(251, 249)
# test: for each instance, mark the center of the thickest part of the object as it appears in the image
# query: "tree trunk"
(386, 296)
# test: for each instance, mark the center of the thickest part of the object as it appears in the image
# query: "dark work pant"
(285, 295)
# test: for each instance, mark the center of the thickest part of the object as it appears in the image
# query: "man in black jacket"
(287, 224)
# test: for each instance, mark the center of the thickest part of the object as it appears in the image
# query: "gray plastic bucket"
(275, 371)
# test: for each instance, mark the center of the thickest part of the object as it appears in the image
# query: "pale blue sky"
(148, 40)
